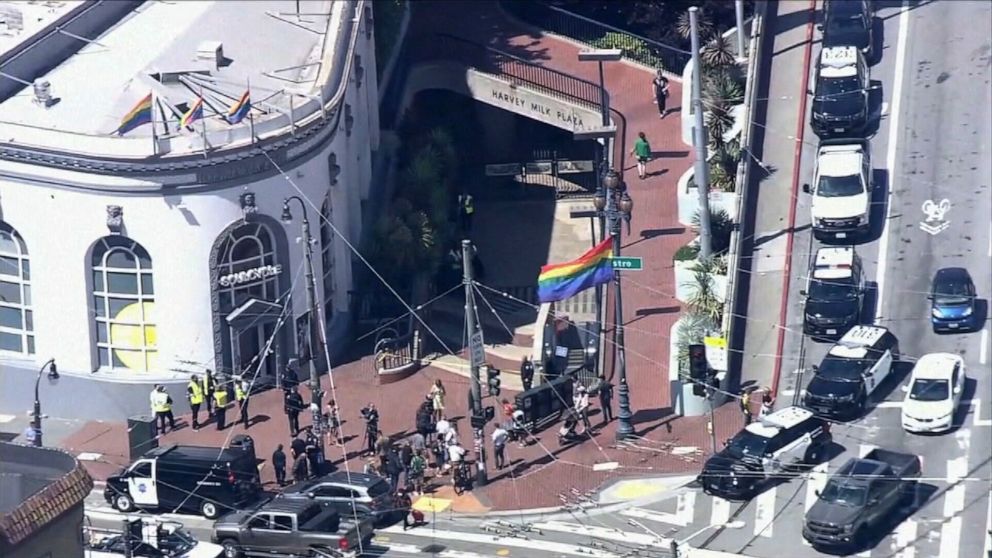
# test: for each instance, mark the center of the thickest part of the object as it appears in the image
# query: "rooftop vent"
(11, 17)
(43, 93)
(212, 51)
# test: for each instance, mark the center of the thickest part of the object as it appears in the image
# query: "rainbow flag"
(560, 281)
(140, 115)
(194, 113)
(240, 109)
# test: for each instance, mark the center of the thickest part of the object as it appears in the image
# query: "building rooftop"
(177, 51)
(37, 485)
(20, 21)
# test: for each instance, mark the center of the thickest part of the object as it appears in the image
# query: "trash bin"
(142, 435)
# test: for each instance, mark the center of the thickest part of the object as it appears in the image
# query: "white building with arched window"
(158, 252)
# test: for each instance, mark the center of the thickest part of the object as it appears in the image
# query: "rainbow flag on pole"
(194, 113)
(240, 109)
(140, 115)
(560, 281)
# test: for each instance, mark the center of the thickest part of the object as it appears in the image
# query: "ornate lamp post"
(615, 205)
(316, 394)
(53, 375)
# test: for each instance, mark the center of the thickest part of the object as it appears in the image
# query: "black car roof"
(286, 505)
(357, 479)
(951, 275)
(197, 453)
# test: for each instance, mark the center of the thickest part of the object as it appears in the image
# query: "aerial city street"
(495, 278)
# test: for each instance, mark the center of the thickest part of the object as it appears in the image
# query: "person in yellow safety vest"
(162, 407)
(220, 406)
(467, 211)
(194, 392)
(241, 395)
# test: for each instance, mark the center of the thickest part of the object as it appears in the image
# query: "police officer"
(209, 384)
(220, 407)
(194, 392)
(241, 396)
(527, 373)
(162, 407)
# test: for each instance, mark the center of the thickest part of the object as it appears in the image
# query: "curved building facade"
(160, 251)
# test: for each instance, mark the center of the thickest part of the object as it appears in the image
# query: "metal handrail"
(600, 35)
(503, 64)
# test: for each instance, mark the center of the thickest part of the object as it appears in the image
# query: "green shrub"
(687, 253)
(720, 227)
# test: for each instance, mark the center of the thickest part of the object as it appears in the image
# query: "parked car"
(849, 23)
(953, 300)
(840, 95)
(834, 293)
(934, 393)
(146, 538)
(842, 190)
(348, 493)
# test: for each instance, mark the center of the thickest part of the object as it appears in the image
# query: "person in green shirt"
(642, 150)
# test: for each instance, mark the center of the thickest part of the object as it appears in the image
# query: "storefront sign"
(537, 109)
(532, 103)
(250, 275)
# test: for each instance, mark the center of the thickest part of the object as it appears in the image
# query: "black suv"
(852, 370)
(840, 98)
(834, 293)
(848, 23)
(777, 442)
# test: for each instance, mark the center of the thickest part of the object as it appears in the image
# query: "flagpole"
(292, 115)
(154, 135)
(203, 124)
(251, 117)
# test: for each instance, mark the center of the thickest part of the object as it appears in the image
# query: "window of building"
(16, 317)
(124, 304)
(247, 247)
(327, 257)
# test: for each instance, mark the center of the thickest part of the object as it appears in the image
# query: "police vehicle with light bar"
(834, 293)
(840, 96)
(853, 369)
(842, 190)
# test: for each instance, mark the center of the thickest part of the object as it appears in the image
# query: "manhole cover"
(433, 548)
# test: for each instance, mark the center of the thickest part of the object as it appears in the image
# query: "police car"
(834, 293)
(777, 442)
(840, 97)
(842, 190)
(853, 369)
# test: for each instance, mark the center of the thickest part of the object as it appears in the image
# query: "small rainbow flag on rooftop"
(560, 281)
(140, 115)
(194, 113)
(240, 109)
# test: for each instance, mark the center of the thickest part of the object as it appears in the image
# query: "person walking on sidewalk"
(293, 405)
(660, 84)
(334, 422)
(418, 466)
(642, 150)
(746, 406)
(241, 388)
(605, 390)
(527, 373)
(194, 392)
(500, 435)
(581, 401)
(162, 407)
(300, 470)
(437, 399)
(279, 465)
(220, 406)
(209, 385)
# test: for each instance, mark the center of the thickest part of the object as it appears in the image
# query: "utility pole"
(476, 349)
(702, 178)
(739, 9)
(710, 392)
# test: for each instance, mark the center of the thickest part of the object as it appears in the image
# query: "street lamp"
(53, 375)
(615, 205)
(316, 395)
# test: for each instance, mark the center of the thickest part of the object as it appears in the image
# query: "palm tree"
(718, 123)
(719, 86)
(718, 53)
(684, 27)
(704, 298)
(720, 227)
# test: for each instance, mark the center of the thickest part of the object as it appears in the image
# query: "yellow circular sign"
(129, 338)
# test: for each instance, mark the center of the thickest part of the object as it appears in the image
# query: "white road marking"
(963, 437)
(977, 414)
(890, 157)
(660, 517)
(988, 532)
(721, 511)
(983, 350)
(7, 418)
(990, 241)
(478, 538)
(382, 548)
(685, 508)
(905, 538)
(889, 405)
(764, 513)
(950, 530)
(865, 449)
(604, 533)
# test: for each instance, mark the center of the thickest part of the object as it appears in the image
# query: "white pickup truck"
(842, 190)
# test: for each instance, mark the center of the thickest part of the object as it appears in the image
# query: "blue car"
(952, 300)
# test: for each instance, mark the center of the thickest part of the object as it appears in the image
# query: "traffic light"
(698, 369)
(492, 380)
(480, 421)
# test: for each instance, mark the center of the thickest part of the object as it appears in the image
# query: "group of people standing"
(216, 394)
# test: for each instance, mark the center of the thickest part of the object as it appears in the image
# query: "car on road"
(842, 190)
(840, 95)
(848, 23)
(297, 528)
(834, 293)
(777, 442)
(860, 496)
(348, 493)
(933, 393)
(852, 370)
(953, 300)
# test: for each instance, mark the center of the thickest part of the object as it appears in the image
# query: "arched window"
(327, 258)
(246, 248)
(16, 318)
(124, 304)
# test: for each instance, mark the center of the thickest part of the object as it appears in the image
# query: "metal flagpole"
(292, 115)
(203, 123)
(251, 118)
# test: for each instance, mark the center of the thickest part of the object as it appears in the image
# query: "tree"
(721, 226)
(703, 297)
(718, 52)
(683, 25)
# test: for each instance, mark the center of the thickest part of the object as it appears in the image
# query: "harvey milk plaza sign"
(532, 104)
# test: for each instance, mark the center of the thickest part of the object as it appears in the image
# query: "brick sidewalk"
(540, 472)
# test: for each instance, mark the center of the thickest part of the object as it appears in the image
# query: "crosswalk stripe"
(530, 544)
(988, 531)
(905, 536)
(865, 449)
(685, 508)
(604, 533)
(816, 481)
(379, 548)
(720, 512)
(764, 513)
(950, 531)
(660, 517)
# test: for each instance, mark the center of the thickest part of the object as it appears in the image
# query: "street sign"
(628, 263)
(478, 350)
(716, 353)
(504, 169)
